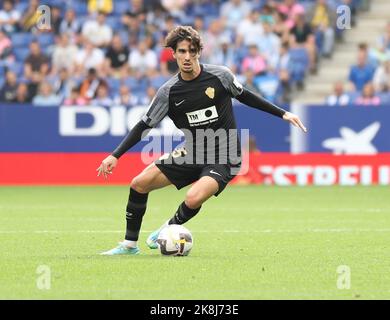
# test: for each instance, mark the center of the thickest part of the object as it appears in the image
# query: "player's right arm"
(157, 111)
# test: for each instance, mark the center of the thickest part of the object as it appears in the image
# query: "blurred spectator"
(46, 96)
(281, 60)
(249, 82)
(143, 61)
(31, 16)
(298, 63)
(156, 16)
(266, 13)
(384, 40)
(134, 27)
(234, 11)
(90, 84)
(381, 78)
(70, 25)
(102, 97)
(22, 93)
(137, 7)
(97, 31)
(5, 47)
(36, 67)
(8, 91)
(64, 54)
(117, 56)
(250, 29)
(279, 27)
(147, 99)
(305, 38)
(125, 98)
(254, 61)
(95, 6)
(225, 54)
(368, 96)
(9, 17)
(89, 57)
(175, 7)
(339, 97)
(55, 20)
(363, 71)
(62, 83)
(75, 99)
(290, 9)
(269, 43)
(168, 64)
(199, 25)
(212, 37)
(283, 91)
(323, 20)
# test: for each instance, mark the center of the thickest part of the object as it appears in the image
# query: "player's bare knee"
(194, 199)
(139, 185)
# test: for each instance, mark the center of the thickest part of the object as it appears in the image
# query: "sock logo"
(129, 215)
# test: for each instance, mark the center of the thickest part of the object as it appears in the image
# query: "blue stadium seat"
(268, 85)
(21, 53)
(113, 22)
(114, 85)
(135, 84)
(81, 8)
(299, 62)
(353, 96)
(120, 7)
(124, 36)
(158, 81)
(385, 97)
(45, 39)
(21, 39)
(17, 67)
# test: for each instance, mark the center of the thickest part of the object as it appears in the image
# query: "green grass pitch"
(249, 243)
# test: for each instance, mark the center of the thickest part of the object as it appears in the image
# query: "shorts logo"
(210, 92)
(202, 116)
(212, 171)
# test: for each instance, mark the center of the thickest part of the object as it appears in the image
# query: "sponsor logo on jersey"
(210, 92)
(202, 116)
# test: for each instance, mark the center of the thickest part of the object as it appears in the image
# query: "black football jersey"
(202, 109)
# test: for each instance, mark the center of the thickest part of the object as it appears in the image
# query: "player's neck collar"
(201, 69)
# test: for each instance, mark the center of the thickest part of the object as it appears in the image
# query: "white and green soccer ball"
(175, 240)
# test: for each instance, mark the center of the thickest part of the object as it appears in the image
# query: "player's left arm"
(254, 100)
(251, 99)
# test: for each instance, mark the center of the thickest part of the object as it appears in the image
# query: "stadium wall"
(51, 145)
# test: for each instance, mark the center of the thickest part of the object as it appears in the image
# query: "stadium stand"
(288, 47)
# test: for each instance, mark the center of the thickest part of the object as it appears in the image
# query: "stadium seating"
(209, 12)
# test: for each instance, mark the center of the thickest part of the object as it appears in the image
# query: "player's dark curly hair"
(184, 33)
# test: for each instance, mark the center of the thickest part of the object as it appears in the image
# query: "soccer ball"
(175, 240)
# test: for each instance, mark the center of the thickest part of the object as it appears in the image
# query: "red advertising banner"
(282, 169)
(319, 169)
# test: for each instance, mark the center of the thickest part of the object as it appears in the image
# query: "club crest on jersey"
(210, 92)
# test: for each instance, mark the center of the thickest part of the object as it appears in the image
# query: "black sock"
(135, 210)
(183, 214)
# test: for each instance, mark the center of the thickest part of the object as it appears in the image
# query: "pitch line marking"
(314, 230)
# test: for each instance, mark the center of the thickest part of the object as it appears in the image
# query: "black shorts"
(183, 174)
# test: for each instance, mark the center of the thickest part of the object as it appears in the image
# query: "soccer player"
(197, 98)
